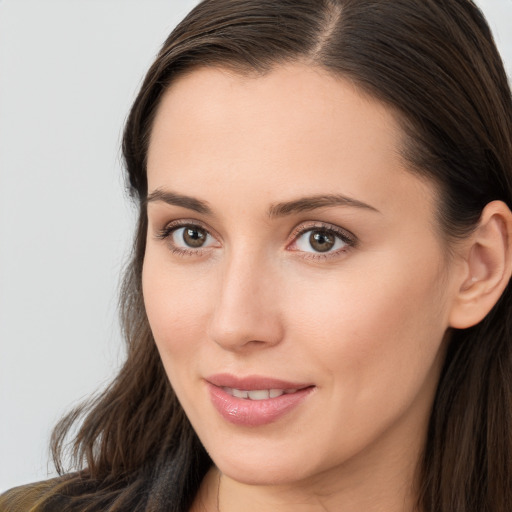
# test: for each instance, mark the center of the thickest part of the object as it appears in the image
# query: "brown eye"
(322, 241)
(194, 236)
(189, 237)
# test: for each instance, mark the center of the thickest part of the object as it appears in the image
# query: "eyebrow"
(172, 198)
(306, 204)
(303, 204)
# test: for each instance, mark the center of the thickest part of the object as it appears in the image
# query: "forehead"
(291, 101)
(296, 127)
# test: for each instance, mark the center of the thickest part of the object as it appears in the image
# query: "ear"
(487, 269)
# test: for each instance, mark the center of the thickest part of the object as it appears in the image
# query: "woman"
(317, 310)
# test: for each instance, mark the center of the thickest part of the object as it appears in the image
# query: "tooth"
(258, 394)
(274, 393)
(239, 393)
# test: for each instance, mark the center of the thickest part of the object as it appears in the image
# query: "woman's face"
(295, 280)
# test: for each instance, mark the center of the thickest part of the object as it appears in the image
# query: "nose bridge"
(246, 310)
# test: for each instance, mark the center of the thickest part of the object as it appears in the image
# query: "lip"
(252, 382)
(253, 413)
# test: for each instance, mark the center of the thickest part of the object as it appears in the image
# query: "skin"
(364, 323)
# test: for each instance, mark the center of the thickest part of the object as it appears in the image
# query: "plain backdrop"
(69, 70)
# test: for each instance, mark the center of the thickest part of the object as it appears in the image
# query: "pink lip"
(252, 382)
(253, 413)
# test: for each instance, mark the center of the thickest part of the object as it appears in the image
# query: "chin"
(260, 468)
(261, 477)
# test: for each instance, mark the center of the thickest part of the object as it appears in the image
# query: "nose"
(247, 315)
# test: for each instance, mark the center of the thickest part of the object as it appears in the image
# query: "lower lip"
(253, 413)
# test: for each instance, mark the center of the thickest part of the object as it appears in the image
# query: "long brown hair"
(435, 63)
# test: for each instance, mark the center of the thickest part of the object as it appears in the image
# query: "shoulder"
(34, 497)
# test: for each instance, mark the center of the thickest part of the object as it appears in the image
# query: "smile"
(258, 394)
(255, 401)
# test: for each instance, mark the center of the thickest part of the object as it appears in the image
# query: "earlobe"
(488, 267)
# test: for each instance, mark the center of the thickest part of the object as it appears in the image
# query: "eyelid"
(304, 227)
(180, 223)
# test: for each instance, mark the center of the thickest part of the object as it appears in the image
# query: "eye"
(321, 240)
(192, 237)
(187, 238)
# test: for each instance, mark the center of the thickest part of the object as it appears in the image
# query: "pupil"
(321, 241)
(194, 237)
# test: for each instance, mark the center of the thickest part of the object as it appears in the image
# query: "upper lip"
(253, 382)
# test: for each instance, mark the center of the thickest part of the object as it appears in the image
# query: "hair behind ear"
(470, 433)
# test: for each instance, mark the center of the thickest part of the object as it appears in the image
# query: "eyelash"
(167, 232)
(346, 237)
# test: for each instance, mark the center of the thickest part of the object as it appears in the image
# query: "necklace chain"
(218, 492)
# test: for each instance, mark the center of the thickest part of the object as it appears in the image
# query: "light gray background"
(69, 70)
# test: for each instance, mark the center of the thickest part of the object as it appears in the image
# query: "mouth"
(258, 394)
(255, 401)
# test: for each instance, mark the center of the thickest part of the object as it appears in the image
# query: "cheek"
(378, 326)
(177, 305)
